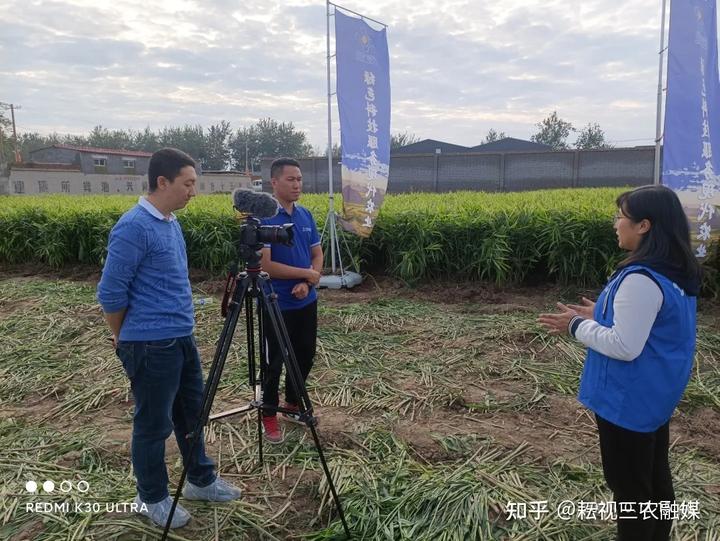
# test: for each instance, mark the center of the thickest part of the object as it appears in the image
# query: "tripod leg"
(211, 386)
(269, 301)
(253, 374)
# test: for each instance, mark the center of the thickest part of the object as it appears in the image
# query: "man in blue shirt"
(295, 271)
(146, 297)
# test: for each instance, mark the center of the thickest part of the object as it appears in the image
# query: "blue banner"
(363, 95)
(691, 152)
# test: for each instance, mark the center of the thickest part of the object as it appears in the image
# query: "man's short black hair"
(277, 166)
(167, 162)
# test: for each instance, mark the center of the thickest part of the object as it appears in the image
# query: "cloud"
(456, 70)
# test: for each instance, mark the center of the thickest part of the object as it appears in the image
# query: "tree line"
(554, 132)
(219, 147)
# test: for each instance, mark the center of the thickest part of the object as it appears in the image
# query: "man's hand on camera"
(301, 290)
(313, 276)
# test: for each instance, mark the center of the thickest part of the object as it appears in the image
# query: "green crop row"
(550, 235)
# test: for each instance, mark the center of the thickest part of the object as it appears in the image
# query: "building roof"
(96, 150)
(25, 166)
(428, 146)
(509, 144)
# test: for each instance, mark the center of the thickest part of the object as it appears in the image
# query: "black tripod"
(248, 287)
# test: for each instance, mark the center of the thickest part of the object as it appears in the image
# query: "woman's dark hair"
(668, 239)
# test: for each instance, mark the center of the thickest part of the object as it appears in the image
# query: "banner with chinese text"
(691, 151)
(363, 95)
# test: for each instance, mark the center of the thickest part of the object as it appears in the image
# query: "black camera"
(254, 235)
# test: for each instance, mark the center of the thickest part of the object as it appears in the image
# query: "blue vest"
(641, 394)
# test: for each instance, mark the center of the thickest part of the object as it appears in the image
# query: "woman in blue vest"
(640, 335)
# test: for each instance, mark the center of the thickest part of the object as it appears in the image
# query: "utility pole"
(658, 114)
(18, 157)
(12, 107)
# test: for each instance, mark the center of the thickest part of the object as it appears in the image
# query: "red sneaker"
(293, 415)
(271, 428)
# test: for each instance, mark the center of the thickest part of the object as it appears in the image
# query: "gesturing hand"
(585, 310)
(557, 323)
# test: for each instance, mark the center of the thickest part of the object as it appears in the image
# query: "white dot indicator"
(31, 486)
(83, 486)
(65, 486)
(48, 486)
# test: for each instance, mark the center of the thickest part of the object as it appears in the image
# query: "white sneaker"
(217, 491)
(160, 511)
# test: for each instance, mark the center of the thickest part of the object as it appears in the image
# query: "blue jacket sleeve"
(127, 246)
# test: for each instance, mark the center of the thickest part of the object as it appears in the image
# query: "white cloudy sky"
(456, 70)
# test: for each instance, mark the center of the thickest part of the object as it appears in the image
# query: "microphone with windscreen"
(253, 207)
(258, 205)
(254, 236)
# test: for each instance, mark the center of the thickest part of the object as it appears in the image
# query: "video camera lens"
(276, 234)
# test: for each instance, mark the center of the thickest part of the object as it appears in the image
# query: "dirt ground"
(548, 439)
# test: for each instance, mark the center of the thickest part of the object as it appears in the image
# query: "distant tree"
(190, 139)
(493, 135)
(29, 141)
(217, 150)
(553, 131)
(6, 150)
(267, 138)
(4, 121)
(398, 140)
(116, 139)
(592, 136)
(146, 140)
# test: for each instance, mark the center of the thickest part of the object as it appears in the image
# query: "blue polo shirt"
(298, 255)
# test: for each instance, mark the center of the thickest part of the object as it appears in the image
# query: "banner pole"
(658, 119)
(331, 208)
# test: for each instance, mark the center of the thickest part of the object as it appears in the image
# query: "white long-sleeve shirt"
(637, 303)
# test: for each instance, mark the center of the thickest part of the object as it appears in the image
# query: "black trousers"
(636, 469)
(302, 329)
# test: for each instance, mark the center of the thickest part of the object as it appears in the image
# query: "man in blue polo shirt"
(146, 297)
(295, 271)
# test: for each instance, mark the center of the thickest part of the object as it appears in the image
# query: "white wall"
(29, 182)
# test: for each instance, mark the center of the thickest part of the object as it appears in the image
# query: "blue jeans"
(167, 385)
